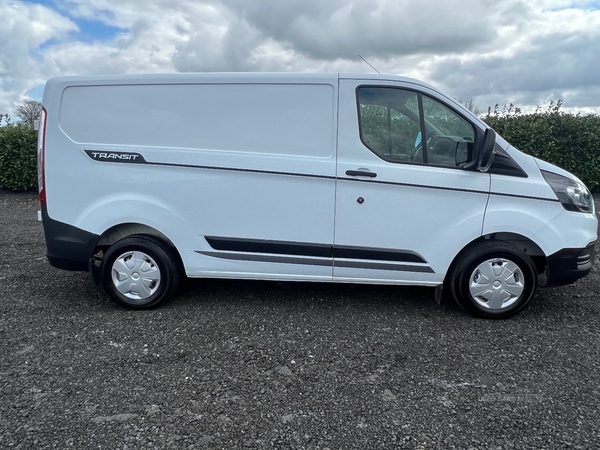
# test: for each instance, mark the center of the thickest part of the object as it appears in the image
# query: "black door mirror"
(486, 152)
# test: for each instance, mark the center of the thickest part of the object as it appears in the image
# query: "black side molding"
(264, 246)
(311, 250)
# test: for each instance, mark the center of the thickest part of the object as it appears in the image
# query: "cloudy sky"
(491, 51)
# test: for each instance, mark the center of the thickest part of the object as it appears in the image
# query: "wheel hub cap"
(496, 284)
(136, 275)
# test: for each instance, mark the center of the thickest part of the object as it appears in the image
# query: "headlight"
(573, 195)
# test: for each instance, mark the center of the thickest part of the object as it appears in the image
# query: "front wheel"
(140, 272)
(493, 280)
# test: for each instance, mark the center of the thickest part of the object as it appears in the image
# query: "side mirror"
(486, 152)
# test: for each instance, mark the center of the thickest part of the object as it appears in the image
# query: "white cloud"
(340, 29)
(525, 51)
(25, 27)
(555, 58)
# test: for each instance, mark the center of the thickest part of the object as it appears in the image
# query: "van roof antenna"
(369, 64)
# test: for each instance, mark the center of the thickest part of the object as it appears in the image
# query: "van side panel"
(235, 161)
(278, 119)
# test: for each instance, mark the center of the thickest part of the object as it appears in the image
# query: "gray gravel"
(231, 364)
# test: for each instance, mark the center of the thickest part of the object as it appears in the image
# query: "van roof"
(60, 83)
(225, 76)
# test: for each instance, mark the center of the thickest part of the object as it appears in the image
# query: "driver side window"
(405, 126)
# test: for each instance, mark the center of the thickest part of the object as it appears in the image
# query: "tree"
(5, 118)
(471, 106)
(29, 111)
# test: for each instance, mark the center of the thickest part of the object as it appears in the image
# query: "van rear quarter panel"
(252, 158)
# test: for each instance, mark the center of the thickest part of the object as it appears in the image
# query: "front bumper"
(569, 265)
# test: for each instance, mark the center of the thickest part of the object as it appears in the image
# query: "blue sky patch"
(588, 6)
(93, 30)
(594, 5)
(48, 3)
(36, 92)
(89, 30)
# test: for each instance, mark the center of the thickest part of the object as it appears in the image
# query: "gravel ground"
(230, 364)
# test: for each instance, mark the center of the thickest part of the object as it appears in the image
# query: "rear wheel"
(140, 272)
(493, 280)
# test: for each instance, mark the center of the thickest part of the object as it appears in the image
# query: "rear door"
(406, 200)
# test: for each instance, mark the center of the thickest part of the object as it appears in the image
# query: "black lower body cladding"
(69, 247)
(570, 264)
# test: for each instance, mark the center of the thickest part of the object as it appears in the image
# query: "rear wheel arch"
(122, 231)
(140, 271)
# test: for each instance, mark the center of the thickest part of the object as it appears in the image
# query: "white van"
(323, 177)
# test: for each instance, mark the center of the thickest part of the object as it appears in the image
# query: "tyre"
(140, 272)
(493, 280)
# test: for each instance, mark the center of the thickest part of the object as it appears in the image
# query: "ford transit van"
(145, 179)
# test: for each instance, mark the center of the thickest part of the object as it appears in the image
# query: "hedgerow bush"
(18, 157)
(571, 141)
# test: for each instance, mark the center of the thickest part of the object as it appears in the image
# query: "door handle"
(361, 173)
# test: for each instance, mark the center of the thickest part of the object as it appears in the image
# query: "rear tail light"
(41, 157)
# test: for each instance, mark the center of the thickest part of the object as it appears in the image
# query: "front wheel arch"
(511, 277)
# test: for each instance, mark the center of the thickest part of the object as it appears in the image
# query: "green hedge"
(571, 141)
(18, 157)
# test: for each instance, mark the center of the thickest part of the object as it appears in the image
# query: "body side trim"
(312, 250)
(316, 261)
(267, 258)
(267, 246)
(382, 266)
(137, 158)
